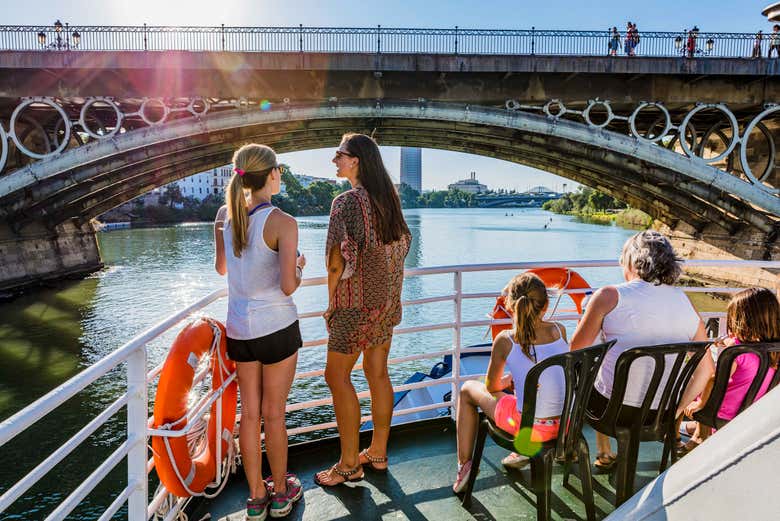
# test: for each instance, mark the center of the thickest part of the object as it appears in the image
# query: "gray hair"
(652, 257)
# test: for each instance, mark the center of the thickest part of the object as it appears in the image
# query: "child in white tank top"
(531, 340)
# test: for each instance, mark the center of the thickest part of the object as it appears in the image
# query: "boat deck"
(418, 484)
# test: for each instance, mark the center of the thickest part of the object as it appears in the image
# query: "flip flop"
(604, 462)
(371, 461)
(346, 474)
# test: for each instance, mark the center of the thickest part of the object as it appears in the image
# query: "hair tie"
(239, 171)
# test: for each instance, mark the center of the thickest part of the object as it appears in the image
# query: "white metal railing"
(134, 353)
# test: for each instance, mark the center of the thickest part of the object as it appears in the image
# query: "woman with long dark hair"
(368, 240)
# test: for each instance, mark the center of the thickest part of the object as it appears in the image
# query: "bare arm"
(220, 263)
(494, 381)
(603, 301)
(335, 265)
(290, 265)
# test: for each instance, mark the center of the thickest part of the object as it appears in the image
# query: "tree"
(408, 195)
(171, 195)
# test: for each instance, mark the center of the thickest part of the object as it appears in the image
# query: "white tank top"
(256, 304)
(552, 385)
(645, 315)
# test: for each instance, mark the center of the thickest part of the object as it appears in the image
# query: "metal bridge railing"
(378, 40)
(133, 354)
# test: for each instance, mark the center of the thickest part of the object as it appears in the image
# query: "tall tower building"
(411, 167)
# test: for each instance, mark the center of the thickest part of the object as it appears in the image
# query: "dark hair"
(753, 315)
(526, 297)
(652, 257)
(373, 175)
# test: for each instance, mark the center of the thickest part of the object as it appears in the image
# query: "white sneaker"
(463, 477)
(515, 461)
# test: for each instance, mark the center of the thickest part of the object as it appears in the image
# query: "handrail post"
(300, 37)
(223, 37)
(136, 431)
(145, 37)
(456, 338)
(378, 39)
(533, 35)
(456, 40)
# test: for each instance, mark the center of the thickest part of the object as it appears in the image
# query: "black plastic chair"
(580, 369)
(648, 425)
(708, 415)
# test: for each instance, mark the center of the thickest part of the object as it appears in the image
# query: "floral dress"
(367, 301)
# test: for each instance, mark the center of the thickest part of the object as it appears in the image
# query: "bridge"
(515, 200)
(84, 130)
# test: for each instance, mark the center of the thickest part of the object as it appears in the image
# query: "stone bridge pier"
(42, 253)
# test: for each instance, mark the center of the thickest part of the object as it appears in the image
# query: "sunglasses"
(340, 153)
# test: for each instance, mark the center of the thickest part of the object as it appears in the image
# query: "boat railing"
(135, 397)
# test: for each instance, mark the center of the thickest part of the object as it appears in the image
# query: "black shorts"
(598, 404)
(268, 349)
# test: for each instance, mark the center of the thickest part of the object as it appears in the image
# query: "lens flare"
(265, 105)
(524, 444)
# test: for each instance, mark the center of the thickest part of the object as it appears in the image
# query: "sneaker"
(464, 471)
(515, 461)
(282, 503)
(257, 509)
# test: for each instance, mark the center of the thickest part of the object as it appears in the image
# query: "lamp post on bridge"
(60, 43)
(689, 47)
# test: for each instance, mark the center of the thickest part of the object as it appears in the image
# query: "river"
(50, 335)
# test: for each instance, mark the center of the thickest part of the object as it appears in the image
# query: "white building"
(307, 180)
(411, 167)
(470, 185)
(210, 182)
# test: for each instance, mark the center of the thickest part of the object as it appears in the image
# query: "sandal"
(346, 474)
(604, 461)
(366, 460)
(684, 448)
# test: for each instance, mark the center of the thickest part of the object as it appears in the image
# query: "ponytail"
(527, 298)
(237, 213)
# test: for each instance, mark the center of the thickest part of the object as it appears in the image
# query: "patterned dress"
(367, 301)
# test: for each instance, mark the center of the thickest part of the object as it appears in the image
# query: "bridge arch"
(88, 180)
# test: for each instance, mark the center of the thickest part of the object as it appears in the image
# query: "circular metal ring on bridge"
(596, 103)
(145, 105)
(665, 114)
(43, 101)
(198, 101)
(512, 104)
(105, 101)
(3, 147)
(732, 122)
(743, 151)
(554, 102)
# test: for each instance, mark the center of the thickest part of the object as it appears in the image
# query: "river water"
(50, 335)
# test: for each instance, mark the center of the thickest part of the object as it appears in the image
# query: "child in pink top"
(753, 315)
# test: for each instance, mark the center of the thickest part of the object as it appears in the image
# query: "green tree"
(321, 195)
(171, 195)
(408, 195)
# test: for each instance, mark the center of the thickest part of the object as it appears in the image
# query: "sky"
(439, 167)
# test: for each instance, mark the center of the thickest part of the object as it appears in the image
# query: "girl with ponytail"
(256, 246)
(531, 340)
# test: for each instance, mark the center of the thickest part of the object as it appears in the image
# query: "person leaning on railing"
(753, 315)
(257, 248)
(367, 243)
(645, 310)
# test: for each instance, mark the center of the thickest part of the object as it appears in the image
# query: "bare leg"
(338, 371)
(603, 446)
(249, 383)
(375, 369)
(277, 379)
(473, 394)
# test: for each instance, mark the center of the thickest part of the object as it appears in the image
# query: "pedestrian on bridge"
(757, 45)
(774, 42)
(614, 42)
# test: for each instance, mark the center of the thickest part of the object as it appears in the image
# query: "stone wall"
(40, 255)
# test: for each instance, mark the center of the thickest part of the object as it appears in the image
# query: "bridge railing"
(378, 40)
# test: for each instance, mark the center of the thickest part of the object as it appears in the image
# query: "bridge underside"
(702, 218)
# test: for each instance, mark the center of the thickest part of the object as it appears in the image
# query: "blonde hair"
(753, 315)
(526, 297)
(251, 165)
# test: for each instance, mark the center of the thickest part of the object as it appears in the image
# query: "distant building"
(411, 167)
(470, 185)
(210, 182)
(307, 180)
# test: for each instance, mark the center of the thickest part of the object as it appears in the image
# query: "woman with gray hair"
(645, 310)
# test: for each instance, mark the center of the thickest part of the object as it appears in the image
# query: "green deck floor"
(418, 484)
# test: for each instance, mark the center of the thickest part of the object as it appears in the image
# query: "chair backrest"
(579, 368)
(685, 356)
(709, 413)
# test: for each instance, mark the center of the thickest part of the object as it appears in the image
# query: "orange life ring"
(561, 278)
(182, 474)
